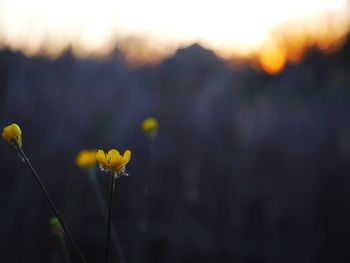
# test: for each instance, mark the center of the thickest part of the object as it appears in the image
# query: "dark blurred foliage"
(247, 167)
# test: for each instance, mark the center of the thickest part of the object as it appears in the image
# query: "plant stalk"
(103, 207)
(110, 205)
(51, 203)
(64, 247)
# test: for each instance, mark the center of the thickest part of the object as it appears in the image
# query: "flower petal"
(123, 160)
(102, 158)
(114, 162)
(126, 157)
(113, 153)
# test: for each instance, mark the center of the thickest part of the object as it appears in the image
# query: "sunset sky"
(271, 30)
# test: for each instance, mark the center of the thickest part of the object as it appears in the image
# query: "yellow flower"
(150, 126)
(13, 134)
(113, 161)
(86, 159)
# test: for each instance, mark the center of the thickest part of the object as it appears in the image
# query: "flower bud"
(12, 134)
(86, 159)
(150, 126)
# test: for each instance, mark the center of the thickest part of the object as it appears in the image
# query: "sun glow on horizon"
(274, 31)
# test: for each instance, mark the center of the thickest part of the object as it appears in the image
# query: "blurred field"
(248, 167)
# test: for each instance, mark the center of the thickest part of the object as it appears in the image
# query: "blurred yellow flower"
(150, 126)
(13, 134)
(86, 159)
(113, 161)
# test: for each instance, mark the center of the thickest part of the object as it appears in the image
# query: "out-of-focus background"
(252, 159)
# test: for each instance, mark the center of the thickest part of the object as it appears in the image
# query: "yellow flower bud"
(86, 159)
(150, 126)
(13, 134)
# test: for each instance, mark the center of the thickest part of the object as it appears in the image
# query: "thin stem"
(110, 204)
(103, 207)
(64, 247)
(150, 187)
(49, 200)
(149, 191)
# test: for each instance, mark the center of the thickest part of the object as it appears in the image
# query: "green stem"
(110, 204)
(64, 247)
(149, 192)
(103, 207)
(49, 200)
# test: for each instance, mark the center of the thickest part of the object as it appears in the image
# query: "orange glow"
(295, 47)
(294, 56)
(288, 44)
(275, 32)
(273, 59)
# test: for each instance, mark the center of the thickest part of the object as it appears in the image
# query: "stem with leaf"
(49, 200)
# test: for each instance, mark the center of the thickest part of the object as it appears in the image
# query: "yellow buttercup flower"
(86, 159)
(113, 161)
(150, 126)
(13, 134)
